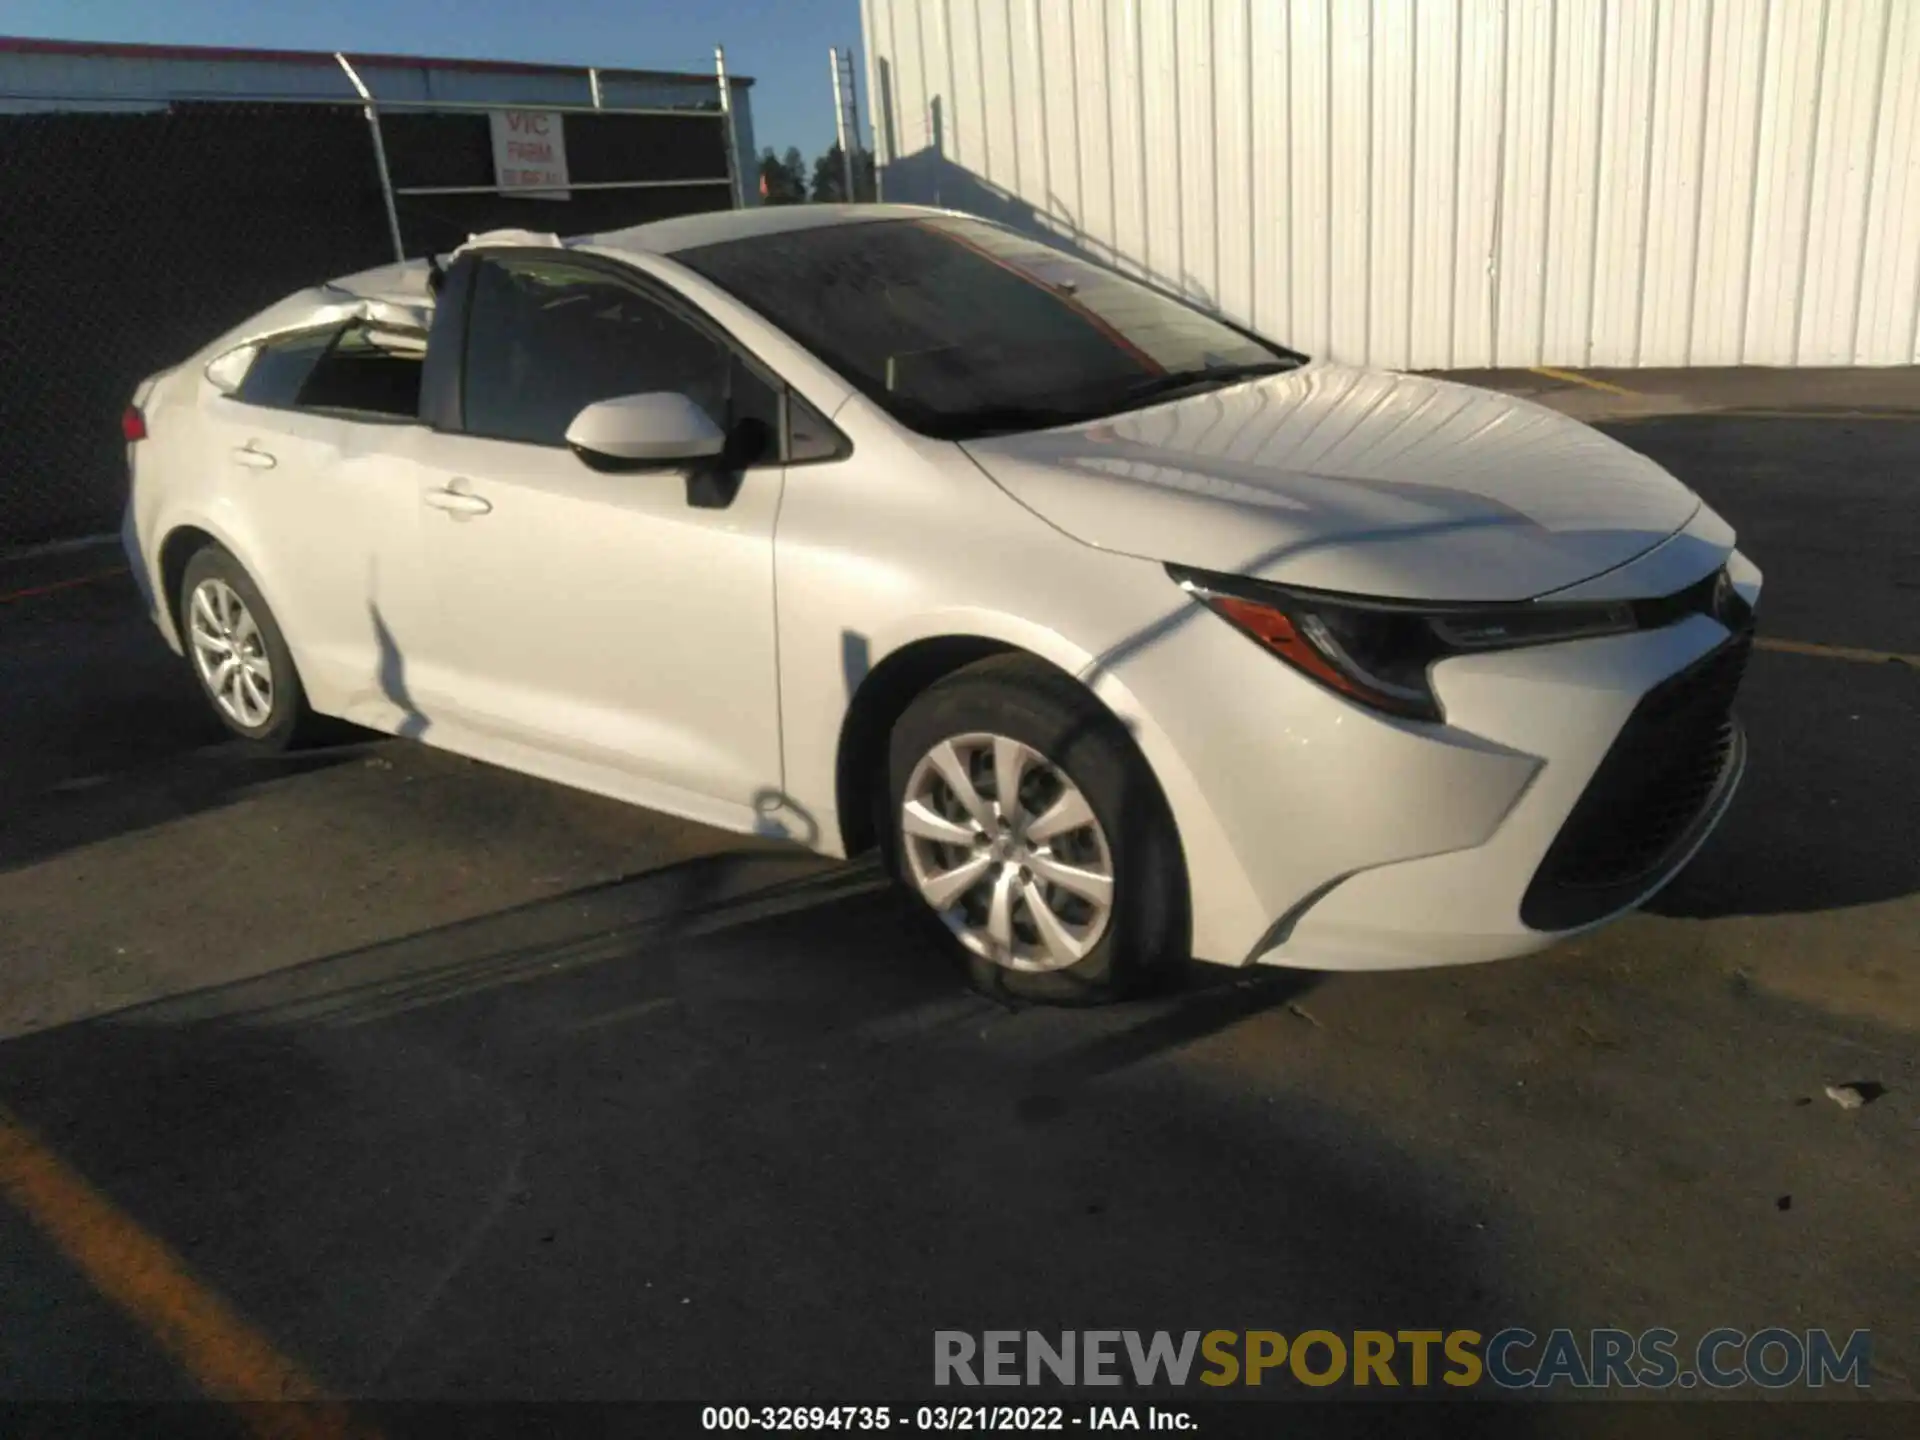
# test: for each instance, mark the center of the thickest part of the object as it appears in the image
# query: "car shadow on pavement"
(753, 1140)
(1827, 813)
(1831, 801)
(103, 731)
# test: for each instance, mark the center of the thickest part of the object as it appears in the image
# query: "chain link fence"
(681, 158)
(135, 236)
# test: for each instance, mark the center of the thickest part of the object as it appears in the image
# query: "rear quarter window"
(281, 368)
(355, 371)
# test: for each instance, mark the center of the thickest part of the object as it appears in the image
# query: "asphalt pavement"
(436, 1081)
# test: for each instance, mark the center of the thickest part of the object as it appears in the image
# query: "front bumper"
(1638, 760)
(1663, 784)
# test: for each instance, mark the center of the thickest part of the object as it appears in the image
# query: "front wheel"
(1027, 821)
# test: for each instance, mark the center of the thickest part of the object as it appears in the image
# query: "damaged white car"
(1127, 634)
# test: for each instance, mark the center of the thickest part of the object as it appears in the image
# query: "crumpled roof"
(403, 286)
(395, 296)
(398, 295)
(542, 239)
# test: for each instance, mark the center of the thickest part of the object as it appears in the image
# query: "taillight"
(133, 425)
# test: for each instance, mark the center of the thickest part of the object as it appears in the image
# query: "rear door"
(619, 624)
(329, 521)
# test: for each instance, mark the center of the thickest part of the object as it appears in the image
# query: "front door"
(619, 624)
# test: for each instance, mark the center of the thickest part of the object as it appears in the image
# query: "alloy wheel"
(230, 654)
(1005, 848)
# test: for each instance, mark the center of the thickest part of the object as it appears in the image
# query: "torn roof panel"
(399, 294)
(394, 296)
(402, 283)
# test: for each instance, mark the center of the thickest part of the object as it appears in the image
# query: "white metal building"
(1445, 183)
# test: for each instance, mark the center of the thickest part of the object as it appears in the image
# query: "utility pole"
(372, 111)
(735, 186)
(846, 115)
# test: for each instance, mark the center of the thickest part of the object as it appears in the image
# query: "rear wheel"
(1027, 821)
(239, 655)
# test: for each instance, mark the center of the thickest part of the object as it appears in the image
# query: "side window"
(368, 372)
(546, 338)
(810, 435)
(281, 367)
(354, 369)
(752, 421)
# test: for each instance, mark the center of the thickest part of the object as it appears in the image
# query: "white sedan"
(1127, 635)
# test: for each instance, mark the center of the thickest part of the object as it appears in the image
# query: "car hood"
(1363, 481)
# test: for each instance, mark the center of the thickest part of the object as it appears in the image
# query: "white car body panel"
(336, 526)
(1565, 703)
(1336, 478)
(1695, 549)
(863, 575)
(549, 601)
(595, 629)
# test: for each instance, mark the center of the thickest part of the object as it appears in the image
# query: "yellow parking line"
(1838, 652)
(226, 1357)
(1576, 379)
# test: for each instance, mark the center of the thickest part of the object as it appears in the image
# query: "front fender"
(1226, 908)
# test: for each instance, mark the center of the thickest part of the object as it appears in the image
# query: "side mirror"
(661, 427)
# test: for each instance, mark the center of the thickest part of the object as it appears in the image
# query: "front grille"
(1648, 796)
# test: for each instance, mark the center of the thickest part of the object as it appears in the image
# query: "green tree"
(783, 181)
(827, 184)
(829, 176)
(795, 164)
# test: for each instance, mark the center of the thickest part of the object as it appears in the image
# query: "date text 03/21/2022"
(934, 1419)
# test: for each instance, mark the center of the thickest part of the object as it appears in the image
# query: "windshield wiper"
(1210, 377)
(1009, 419)
(1001, 420)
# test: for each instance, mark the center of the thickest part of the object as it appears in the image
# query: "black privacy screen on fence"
(132, 239)
(440, 149)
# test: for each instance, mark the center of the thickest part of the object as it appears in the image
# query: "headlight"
(1379, 652)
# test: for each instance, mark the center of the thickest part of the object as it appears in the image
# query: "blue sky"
(782, 44)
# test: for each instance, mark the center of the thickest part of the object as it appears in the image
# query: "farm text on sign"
(530, 153)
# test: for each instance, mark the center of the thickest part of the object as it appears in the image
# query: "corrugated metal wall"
(1446, 183)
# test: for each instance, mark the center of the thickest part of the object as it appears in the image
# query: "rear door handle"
(254, 458)
(457, 502)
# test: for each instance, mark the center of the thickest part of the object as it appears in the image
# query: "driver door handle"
(253, 457)
(457, 502)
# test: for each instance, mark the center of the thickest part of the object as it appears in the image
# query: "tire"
(1059, 739)
(285, 720)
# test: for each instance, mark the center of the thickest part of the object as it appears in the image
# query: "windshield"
(960, 328)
